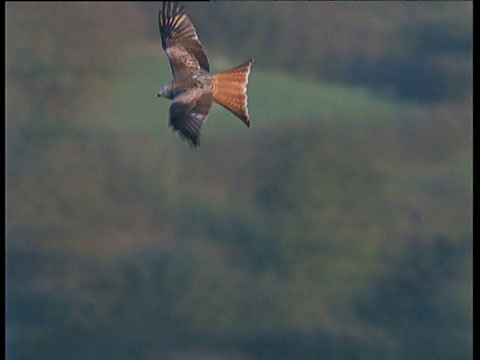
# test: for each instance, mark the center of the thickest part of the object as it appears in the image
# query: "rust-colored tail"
(230, 90)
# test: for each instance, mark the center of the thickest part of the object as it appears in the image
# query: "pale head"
(166, 91)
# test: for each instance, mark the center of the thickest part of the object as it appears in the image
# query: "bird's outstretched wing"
(188, 112)
(180, 41)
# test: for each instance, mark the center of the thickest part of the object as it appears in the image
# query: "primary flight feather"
(193, 87)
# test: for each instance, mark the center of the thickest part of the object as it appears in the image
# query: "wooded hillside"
(339, 226)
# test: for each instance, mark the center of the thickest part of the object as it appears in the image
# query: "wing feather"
(188, 113)
(180, 40)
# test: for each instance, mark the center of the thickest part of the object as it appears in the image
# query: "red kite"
(193, 87)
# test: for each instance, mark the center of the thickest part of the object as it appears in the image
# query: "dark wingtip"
(194, 144)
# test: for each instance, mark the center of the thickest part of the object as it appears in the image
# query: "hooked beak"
(163, 92)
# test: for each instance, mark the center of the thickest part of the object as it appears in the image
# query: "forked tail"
(230, 90)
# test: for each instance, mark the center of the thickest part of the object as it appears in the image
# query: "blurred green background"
(338, 227)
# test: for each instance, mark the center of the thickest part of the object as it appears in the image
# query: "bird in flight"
(193, 86)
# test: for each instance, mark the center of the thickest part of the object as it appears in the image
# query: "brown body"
(193, 87)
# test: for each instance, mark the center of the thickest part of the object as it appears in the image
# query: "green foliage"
(421, 52)
(416, 298)
(339, 226)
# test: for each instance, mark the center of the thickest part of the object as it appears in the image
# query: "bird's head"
(166, 91)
